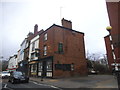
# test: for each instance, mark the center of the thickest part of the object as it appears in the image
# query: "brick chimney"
(35, 28)
(66, 23)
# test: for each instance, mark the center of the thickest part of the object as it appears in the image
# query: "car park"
(17, 77)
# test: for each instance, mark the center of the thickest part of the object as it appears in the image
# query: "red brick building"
(113, 7)
(62, 52)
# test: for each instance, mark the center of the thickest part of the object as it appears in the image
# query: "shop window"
(45, 50)
(49, 74)
(39, 73)
(31, 68)
(40, 66)
(45, 37)
(60, 47)
(34, 68)
(49, 66)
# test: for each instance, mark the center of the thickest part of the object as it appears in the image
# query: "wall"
(114, 17)
(73, 51)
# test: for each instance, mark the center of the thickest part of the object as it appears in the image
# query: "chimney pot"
(35, 28)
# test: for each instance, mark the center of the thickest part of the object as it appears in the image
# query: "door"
(44, 69)
(47, 68)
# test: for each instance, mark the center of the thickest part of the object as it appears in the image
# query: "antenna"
(61, 13)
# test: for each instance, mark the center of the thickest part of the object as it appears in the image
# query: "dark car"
(17, 76)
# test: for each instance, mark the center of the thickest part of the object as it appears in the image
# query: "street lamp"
(109, 28)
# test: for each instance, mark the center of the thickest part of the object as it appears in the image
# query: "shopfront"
(43, 67)
(33, 68)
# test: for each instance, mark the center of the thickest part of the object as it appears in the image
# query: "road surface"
(31, 85)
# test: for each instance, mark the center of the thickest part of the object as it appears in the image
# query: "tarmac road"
(31, 85)
(90, 82)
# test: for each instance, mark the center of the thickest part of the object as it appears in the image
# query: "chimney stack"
(35, 28)
(66, 23)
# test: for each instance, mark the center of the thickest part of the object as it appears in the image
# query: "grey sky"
(19, 17)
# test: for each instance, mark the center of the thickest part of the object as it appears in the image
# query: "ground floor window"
(45, 68)
(40, 67)
(34, 69)
(64, 67)
(49, 74)
(49, 69)
(49, 65)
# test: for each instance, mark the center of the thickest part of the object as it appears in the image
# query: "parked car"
(17, 77)
(94, 72)
(5, 74)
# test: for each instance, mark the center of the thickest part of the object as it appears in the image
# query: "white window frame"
(33, 46)
(45, 36)
(45, 50)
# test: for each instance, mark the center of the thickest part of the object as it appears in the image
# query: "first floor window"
(32, 55)
(33, 46)
(60, 47)
(45, 37)
(45, 50)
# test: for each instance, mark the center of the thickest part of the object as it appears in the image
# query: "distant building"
(59, 51)
(12, 63)
(113, 7)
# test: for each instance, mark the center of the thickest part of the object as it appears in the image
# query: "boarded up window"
(64, 67)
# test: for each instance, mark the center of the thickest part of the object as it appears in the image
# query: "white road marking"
(5, 86)
(47, 85)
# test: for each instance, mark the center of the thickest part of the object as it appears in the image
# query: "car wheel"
(12, 81)
(9, 80)
(27, 81)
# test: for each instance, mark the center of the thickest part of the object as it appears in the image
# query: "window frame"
(33, 46)
(45, 50)
(45, 37)
(60, 47)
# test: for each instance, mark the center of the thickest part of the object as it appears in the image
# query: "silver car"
(5, 74)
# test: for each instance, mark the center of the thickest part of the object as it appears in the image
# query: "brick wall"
(114, 18)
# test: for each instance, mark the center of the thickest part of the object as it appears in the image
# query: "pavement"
(90, 81)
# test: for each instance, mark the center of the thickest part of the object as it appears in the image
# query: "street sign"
(117, 64)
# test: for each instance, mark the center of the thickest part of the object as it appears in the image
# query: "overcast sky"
(18, 17)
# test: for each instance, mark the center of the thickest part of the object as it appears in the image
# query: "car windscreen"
(18, 73)
(5, 73)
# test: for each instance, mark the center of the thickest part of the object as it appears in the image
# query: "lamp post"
(109, 28)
